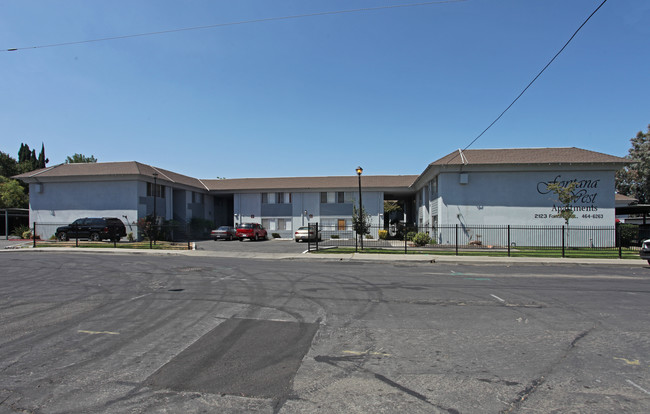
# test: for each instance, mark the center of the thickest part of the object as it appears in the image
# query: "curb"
(362, 257)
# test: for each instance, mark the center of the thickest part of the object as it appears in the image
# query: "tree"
(634, 179)
(360, 221)
(42, 161)
(12, 194)
(80, 158)
(566, 198)
(28, 161)
(8, 165)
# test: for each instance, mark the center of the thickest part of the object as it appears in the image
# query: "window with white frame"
(273, 224)
(332, 197)
(276, 198)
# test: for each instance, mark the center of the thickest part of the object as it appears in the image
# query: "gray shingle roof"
(528, 156)
(287, 183)
(111, 169)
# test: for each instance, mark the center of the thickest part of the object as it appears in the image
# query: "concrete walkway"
(367, 257)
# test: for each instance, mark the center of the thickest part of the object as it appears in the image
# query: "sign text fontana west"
(586, 192)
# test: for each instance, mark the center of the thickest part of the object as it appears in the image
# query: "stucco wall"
(53, 204)
(522, 198)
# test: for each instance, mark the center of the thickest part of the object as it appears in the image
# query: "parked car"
(223, 232)
(306, 234)
(645, 250)
(253, 231)
(93, 228)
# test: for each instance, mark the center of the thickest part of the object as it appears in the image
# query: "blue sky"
(391, 90)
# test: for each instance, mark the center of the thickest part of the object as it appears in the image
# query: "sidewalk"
(363, 257)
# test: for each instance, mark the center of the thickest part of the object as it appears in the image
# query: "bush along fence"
(561, 241)
(142, 235)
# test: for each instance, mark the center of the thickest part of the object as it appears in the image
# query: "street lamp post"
(155, 201)
(155, 194)
(361, 217)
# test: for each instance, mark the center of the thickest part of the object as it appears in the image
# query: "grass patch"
(519, 252)
(160, 245)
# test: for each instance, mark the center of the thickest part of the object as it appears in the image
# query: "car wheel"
(241, 239)
(648, 261)
(63, 236)
(94, 237)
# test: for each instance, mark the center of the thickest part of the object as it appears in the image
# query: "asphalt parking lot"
(117, 332)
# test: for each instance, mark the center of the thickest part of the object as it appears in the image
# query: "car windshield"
(246, 226)
(224, 228)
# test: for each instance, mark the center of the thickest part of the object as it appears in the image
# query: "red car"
(253, 231)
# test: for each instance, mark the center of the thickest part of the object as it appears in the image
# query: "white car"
(306, 234)
(645, 250)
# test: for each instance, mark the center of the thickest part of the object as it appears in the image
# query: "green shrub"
(383, 234)
(130, 237)
(27, 234)
(629, 234)
(19, 230)
(410, 235)
(368, 236)
(275, 235)
(421, 239)
(334, 236)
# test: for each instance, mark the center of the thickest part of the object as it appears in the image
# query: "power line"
(213, 26)
(531, 82)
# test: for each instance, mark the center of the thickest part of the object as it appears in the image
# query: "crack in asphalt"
(534, 385)
(332, 360)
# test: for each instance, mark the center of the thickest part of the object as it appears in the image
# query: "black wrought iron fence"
(179, 235)
(509, 240)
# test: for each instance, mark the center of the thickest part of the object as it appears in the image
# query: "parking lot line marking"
(629, 361)
(365, 353)
(98, 332)
(141, 296)
(498, 298)
(639, 387)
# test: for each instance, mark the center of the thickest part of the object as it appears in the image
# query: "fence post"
(405, 240)
(562, 241)
(618, 240)
(34, 234)
(508, 240)
(456, 239)
(317, 236)
(356, 241)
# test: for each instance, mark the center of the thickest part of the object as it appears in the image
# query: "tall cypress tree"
(42, 161)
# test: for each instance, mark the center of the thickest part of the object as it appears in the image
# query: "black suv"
(93, 228)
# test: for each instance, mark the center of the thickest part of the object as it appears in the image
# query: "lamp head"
(359, 170)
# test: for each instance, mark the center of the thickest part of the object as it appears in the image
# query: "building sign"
(586, 193)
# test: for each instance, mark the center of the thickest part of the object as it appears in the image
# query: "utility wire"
(531, 82)
(212, 26)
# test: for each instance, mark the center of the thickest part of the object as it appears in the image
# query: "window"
(332, 197)
(284, 224)
(197, 197)
(276, 198)
(159, 193)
